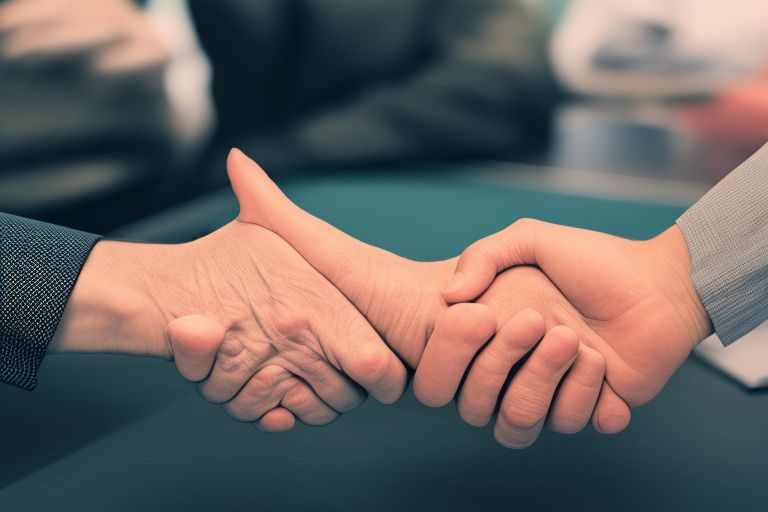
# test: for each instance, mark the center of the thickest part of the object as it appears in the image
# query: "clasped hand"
(279, 315)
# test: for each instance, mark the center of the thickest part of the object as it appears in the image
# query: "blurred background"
(416, 125)
(113, 109)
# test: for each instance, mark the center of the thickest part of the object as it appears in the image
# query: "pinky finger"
(612, 414)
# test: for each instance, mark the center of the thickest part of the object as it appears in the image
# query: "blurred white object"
(187, 78)
(659, 47)
(745, 360)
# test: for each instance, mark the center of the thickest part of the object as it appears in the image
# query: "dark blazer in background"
(313, 83)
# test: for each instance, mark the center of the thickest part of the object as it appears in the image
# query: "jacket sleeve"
(39, 265)
(727, 236)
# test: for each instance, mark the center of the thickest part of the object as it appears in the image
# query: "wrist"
(112, 309)
(671, 254)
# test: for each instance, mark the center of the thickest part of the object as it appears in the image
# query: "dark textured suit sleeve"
(727, 236)
(39, 265)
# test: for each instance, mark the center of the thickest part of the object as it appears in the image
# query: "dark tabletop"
(125, 434)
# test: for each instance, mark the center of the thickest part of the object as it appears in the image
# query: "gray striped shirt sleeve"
(727, 236)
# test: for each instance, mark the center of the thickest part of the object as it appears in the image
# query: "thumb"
(256, 193)
(194, 341)
(479, 264)
(343, 260)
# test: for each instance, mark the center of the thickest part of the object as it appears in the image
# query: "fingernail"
(455, 283)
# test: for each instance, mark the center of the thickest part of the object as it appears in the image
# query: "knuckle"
(210, 393)
(567, 424)
(239, 412)
(551, 359)
(549, 366)
(239, 355)
(230, 358)
(592, 359)
(264, 384)
(521, 418)
(524, 223)
(588, 371)
(429, 394)
(372, 365)
(291, 322)
(268, 379)
(300, 398)
(473, 414)
(531, 320)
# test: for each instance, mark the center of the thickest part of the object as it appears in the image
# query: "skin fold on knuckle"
(475, 414)
(568, 422)
(515, 437)
(261, 393)
(524, 409)
(431, 394)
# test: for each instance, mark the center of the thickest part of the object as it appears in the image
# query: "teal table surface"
(122, 434)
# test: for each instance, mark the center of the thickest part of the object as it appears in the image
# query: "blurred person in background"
(704, 61)
(309, 84)
(83, 113)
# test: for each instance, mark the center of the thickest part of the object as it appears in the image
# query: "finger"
(577, 395)
(376, 368)
(322, 245)
(458, 334)
(526, 402)
(480, 262)
(194, 341)
(482, 388)
(238, 359)
(612, 414)
(275, 421)
(307, 406)
(262, 393)
(361, 353)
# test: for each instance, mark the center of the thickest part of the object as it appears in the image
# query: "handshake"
(279, 316)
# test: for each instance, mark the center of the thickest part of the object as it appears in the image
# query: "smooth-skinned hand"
(635, 299)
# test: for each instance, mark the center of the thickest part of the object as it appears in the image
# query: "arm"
(286, 338)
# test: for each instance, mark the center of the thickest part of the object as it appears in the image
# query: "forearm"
(110, 308)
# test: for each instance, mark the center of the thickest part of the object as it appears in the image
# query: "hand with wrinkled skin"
(402, 300)
(241, 312)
